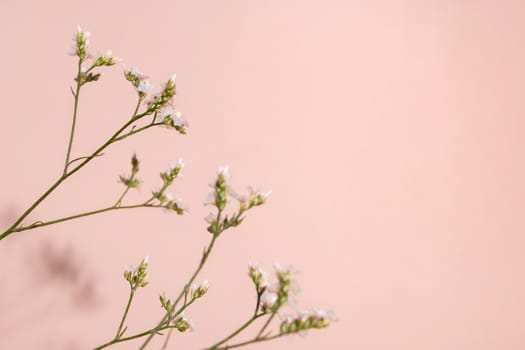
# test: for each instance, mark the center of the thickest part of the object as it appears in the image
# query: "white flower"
(173, 78)
(224, 171)
(136, 72)
(210, 218)
(176, 166)
(165, 112)
(191, 326)
(201, 288)
(255, 270)
(180, 204)
(79, 31)
(72, 50)
(131, 269)
(268, 299)
(285, 314)
(144, 86)
(169, 197)
(236, 195)
(210, 199)
(177, 119)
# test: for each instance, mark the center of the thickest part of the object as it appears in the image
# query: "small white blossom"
(256, 270)
(177, 119)
(79, 31)
(190, 323)
(144, 87)
(210, 218)
(165, 112)
(224, 171)
(176, 167)
(268, 299)
(199, 288)
(210, 199)
(131, 269)
(180, 204)
(136, 72)
(237, 195)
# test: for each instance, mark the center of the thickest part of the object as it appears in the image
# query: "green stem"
(135, 131)
(148, 332)
(80, 158)
(248, 342)
(89, 213)
(119, 200)
(75, 110)
(266, 325)
(135, 336)
(239, 330)
(130, 300)
(28, 211)
(204, 258)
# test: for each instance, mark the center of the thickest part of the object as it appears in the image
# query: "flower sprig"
(161, 105)
(137, 276)
(271, 299)
(221, 195)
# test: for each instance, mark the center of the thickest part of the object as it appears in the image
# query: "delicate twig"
(135, 336)
(120, 332)
(135, 131)
(75, 110)
(248, 342)
(165, 345)
(266, 324)
(65, 176)
(236, 332)
(89, 213)
(156, 330)
(204, 258)
(80, 158)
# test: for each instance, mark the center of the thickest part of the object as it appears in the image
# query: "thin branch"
(236, 332)
(89, 213)
(204, 258)
(75, 111)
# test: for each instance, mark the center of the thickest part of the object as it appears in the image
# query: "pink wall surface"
(391, 133)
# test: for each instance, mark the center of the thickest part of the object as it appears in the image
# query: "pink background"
(391, 133)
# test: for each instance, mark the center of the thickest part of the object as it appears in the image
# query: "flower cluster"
(313, 319)
(164, 97)
(173, 171)
(138, 80)
(137, 276)
(221, 195)
(253, 199)
(170, 118)
(259, 277)
(182, 324)
(131, 181)
(276, 296)
(167, 200)
(218, 197)
(80, 49)
(198, 290)
(160, 104)
(80, 44)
